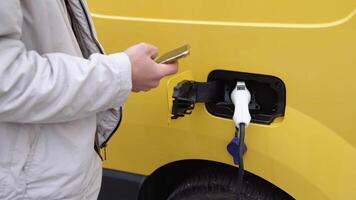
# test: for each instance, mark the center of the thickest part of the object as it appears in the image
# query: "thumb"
(168, 69)
(151, 50)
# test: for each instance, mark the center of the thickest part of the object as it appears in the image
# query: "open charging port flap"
(268, 95)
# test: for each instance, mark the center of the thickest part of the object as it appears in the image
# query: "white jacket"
(53, 100)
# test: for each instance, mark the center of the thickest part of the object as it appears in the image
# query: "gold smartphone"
(174, 55)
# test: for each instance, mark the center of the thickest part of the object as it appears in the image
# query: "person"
(60, 95)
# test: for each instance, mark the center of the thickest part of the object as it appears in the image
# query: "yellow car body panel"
(311, 45)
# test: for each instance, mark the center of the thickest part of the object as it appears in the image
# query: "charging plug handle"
(241, 97)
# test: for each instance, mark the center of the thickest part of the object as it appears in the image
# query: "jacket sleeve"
(54, 87)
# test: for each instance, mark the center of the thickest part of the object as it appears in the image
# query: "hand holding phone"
(145, 72)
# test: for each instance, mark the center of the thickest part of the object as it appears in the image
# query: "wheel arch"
(159, 184)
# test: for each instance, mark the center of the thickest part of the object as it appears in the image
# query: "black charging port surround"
(268, 95)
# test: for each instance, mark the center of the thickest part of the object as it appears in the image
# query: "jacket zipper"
(104, 144)
(91, 27)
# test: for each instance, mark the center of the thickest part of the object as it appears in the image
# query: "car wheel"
(223, 186)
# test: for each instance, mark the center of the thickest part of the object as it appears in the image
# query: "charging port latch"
(187, 93)
(184, 99)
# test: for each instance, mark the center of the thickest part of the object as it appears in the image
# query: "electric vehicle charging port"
(268, 95)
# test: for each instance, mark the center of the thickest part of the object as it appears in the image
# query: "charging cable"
(240, 97)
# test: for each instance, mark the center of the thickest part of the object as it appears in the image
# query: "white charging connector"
(241, 97)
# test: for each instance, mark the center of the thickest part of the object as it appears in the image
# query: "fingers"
(147, 86)
(151, 50)
(168, 69)
(146, 73)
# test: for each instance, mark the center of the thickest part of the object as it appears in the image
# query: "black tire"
(212, 185)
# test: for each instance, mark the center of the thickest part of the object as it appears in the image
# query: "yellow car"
(298, 59)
